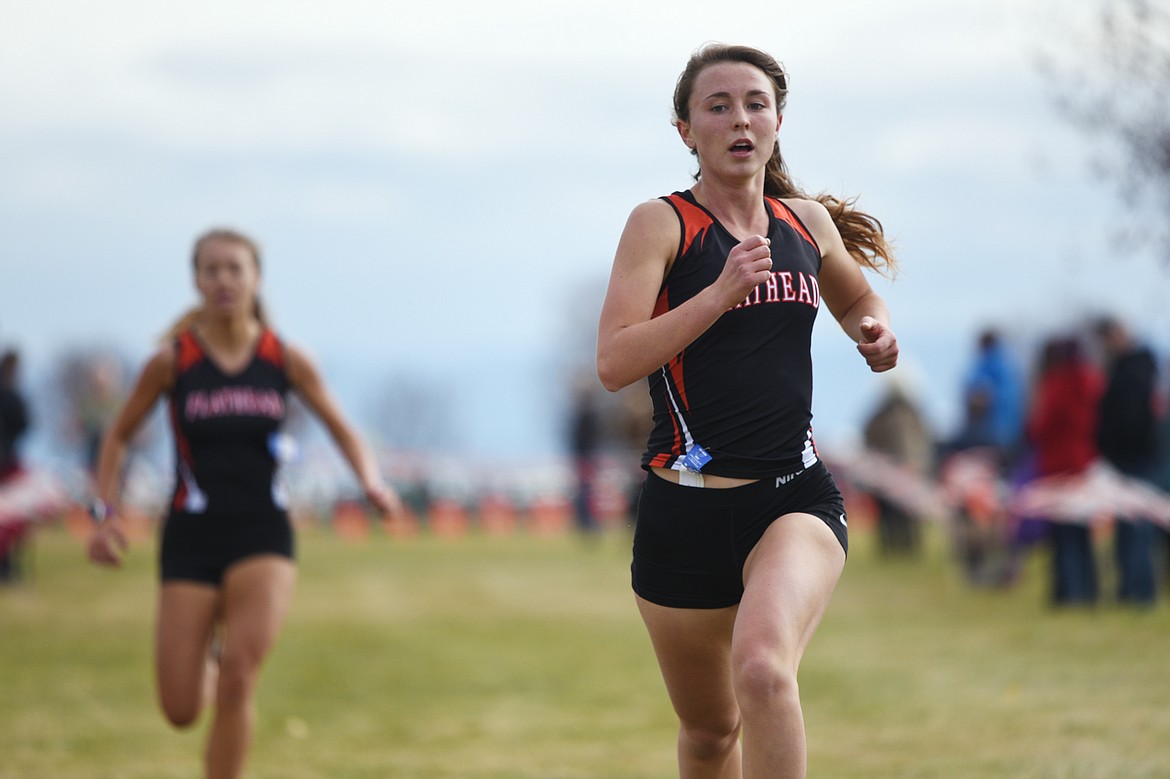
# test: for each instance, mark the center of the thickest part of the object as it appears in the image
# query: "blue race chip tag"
(696, 458)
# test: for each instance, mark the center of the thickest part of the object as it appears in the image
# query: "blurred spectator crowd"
(1065, 450)
(1070, 454)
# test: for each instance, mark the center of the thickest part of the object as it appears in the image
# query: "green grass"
(524, 657)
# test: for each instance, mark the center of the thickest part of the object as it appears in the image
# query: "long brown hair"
(863, 235)
(188, 319)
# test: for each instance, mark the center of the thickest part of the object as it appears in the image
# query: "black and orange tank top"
(226, 429)
(742, 391)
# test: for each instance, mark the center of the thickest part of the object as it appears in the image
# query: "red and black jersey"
(743, 389)
(225, 427)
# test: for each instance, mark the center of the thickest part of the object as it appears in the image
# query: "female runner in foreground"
(741, 533)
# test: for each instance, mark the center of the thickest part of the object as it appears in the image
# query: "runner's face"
(733, 119)
(227, 276)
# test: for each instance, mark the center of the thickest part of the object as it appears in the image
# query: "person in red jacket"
(1062, 428)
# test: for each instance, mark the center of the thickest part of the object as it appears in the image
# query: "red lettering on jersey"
(805, 295)
(234, 402)
(779, 289)
(772, 290)
(815, 288)
(789, 293)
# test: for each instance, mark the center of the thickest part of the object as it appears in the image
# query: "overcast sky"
(439, 187)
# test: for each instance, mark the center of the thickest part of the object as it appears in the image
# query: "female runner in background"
(227, 545)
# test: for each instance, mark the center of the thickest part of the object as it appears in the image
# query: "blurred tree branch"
(1115, 85)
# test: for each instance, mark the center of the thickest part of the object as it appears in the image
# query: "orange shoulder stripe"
(784, 213)
(269, 349)
(189, 351)
(695, 221)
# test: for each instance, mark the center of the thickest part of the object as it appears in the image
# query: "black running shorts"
(691, 543)
(201, 547)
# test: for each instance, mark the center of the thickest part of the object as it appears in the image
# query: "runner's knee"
(180, 712)
(708, 740)
(238, 672)
(762, 681)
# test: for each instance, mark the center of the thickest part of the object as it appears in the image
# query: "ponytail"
(864, 238)
(260, 311)
(184, 323)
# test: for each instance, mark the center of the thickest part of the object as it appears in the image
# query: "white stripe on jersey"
(688, 442)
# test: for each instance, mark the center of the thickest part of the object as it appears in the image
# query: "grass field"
(523, 656)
